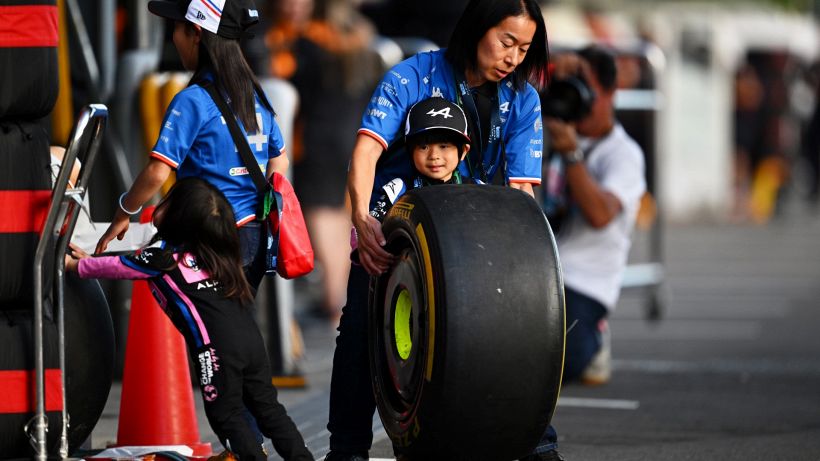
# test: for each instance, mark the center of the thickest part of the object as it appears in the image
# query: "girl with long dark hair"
(194, 140)
(196, 276)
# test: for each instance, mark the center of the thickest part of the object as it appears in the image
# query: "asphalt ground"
(730, 372)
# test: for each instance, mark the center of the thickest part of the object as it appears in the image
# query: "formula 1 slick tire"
(467, 328)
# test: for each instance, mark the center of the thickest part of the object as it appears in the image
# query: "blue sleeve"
(276, 142)
(524, 139)
(180, 127)
(383, 118)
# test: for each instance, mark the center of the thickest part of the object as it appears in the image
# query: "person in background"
(604, 174)
(323, 48)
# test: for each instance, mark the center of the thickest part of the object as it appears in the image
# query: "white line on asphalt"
(609, 404)
(793, 367)
(687, 330)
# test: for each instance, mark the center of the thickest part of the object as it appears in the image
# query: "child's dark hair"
(224, 57)
(435, 137)
(197, 218)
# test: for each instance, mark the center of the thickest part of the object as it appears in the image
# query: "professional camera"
(569, 99)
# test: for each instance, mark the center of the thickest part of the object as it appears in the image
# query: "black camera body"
(569, 99)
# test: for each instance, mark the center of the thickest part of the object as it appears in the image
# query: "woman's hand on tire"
(375, 259)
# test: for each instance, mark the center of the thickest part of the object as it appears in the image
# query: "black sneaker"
(551, 455)
(336, 456)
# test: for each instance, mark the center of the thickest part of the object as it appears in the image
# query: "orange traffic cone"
(157, 404)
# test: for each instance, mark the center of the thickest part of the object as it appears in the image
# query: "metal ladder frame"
(62, 215)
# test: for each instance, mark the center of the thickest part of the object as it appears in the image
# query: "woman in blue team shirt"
(496, 48)
(194, 139)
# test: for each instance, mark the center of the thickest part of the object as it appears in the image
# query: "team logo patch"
(210, 393)
(443, 112)
(190, 261)
(208, 364)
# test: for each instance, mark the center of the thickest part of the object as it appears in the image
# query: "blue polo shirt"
(429, 74)
(195, 141)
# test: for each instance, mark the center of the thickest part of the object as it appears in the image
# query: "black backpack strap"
(238, 138)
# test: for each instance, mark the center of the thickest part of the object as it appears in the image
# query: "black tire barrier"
(28, 58)
(25, 193)
(467, 328)
(89, 368)
(29, 79)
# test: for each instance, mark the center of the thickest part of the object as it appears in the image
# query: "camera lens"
(568, 99)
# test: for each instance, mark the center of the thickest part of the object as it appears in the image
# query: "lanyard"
(495, 145)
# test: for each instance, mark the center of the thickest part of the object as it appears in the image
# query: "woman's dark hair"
(197, 218)
(602, 63)
(481, 16)
(233, 75)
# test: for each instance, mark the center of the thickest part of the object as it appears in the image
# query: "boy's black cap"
(436, 114)
(226, 18)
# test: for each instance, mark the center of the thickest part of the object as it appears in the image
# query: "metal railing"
(59, 225)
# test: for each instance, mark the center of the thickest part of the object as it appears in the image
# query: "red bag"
(290, 245)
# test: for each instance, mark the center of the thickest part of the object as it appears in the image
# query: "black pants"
(252, 246)
(352, 404)
(234, 375)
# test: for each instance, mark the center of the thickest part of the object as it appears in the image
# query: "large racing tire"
(467, 328)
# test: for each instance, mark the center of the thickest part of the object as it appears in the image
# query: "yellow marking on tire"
(431, 302)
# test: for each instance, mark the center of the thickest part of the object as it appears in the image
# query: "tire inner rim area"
(401, 324)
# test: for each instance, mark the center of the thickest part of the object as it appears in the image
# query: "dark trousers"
(252, 252)
(583, 338)
(235, 378)
(252, 247)
(351, 394)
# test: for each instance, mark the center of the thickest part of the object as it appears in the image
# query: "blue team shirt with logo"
(195, 141)
(429, 74)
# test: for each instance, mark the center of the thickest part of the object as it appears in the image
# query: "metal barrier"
(61, 218)
(637, 110)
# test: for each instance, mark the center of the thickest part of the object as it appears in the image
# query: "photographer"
(603, 176)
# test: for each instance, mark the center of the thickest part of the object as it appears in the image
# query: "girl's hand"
(72, 260)
(117, 229)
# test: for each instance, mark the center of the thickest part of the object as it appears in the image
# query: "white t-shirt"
(593, 260)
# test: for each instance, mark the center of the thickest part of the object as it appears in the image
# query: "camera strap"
(495, 143)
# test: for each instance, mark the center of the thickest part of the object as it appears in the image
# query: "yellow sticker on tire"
(431, 302)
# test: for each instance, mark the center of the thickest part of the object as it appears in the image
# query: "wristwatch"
(576, 156)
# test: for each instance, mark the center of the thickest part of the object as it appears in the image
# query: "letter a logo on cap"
(443, 112)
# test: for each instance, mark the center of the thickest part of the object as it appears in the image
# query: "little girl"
(196, 276)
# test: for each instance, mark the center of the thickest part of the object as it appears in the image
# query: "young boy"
(436, 137)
